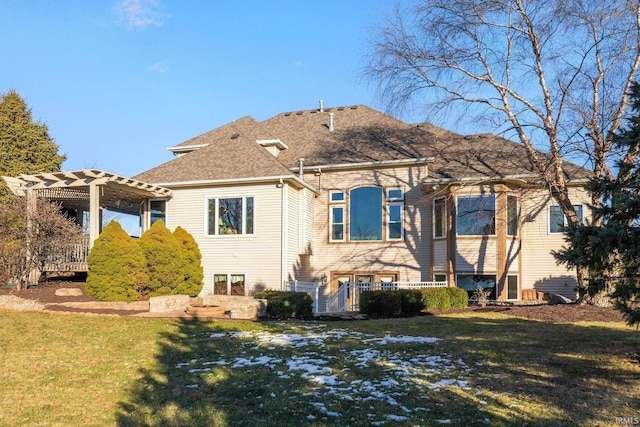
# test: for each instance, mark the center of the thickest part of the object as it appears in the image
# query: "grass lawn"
(452, 369)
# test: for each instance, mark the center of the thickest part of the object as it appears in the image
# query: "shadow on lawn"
(172, 394)
(574, 375)
(577, 374)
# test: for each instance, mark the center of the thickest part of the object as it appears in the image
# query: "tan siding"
(539, 269)
(440, 255)
(409, 257)
(257, 256)
(476, 255)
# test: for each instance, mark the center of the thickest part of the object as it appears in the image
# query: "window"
(512, 287)
(394, 194)
(229, 284)
(157, 211)
(439, 277)
(557, 219)
(337, 196)
(439, 218)
(512, 216)
(365, 214)
(337, 223)
(230, 216)
(373, 214)
(394, 221)
(471, 282)
(476, 215)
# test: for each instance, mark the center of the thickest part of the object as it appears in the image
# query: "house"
(347, 194)
(350, 194)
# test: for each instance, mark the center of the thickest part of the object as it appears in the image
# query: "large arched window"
(365, 213)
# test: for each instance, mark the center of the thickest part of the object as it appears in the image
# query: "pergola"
(89, 190)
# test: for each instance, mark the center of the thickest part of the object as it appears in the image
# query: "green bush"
(286, 305)
(436, 299)
(458, 297)
(411, 300)
(164, 261)
(384, 303)
(117, 266)
(192, 268)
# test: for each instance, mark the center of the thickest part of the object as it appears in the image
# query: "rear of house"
(349, 194)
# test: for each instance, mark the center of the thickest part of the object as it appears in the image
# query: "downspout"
(283, 233)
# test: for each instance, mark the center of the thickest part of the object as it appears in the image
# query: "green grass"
(492, 369)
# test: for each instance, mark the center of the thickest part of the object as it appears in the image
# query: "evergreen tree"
(611, 250)
(117, 266)
(164, 260)
(193, 275)
(25, 145)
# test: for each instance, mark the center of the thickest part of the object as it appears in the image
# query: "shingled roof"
(359, 134)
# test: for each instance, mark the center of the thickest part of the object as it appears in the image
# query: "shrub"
(384, 303)
(286, 305)
(458, 297)
(411, 300)
(117, 266)
(164, 261)
(192, 268)
(436, 299)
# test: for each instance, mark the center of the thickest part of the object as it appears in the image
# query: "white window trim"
(394, 199)
(433, 226)
(495, 214)
(564, 218)
(401, 221)
(344, 222)
(244, 216)
(344, 196)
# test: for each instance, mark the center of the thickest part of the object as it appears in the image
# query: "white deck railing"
(311, 288)
(347, 298)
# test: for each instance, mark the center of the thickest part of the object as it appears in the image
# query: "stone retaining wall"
(103, 305)
(238, 307)
(168, 303)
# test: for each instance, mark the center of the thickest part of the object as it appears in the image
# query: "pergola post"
(94, 213)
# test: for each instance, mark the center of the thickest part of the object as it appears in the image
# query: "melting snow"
(403, 374)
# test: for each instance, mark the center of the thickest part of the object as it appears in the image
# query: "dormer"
(273, 146)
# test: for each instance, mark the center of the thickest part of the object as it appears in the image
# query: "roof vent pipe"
(301, 168)
(321, 106)
(330, 122)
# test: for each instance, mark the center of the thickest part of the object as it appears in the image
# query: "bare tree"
(30, 235)
(553, 75)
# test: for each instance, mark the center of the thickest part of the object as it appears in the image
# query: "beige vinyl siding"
(408, 257)
(476, 255)
(513, 255)
(539, 268)
(440, 255)
(256, 256)
(293, 229)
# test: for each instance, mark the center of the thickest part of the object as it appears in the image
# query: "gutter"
(252, 180)
(368, 165)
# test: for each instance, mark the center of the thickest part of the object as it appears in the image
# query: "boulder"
(68, 292)
(560, 299)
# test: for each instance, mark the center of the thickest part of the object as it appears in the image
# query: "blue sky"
(119, 81)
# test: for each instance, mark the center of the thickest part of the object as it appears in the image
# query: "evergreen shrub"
(286, 304)
(436, 298)
(458, 297)
(411, 300)
(164, 261)
(383, 303)
(117, 266)
(192, 268)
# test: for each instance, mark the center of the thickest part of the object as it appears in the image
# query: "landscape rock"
(560, 299)
(68, 292)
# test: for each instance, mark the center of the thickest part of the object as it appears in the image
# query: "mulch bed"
(561, 313)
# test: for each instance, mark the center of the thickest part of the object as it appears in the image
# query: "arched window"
(365, 213)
